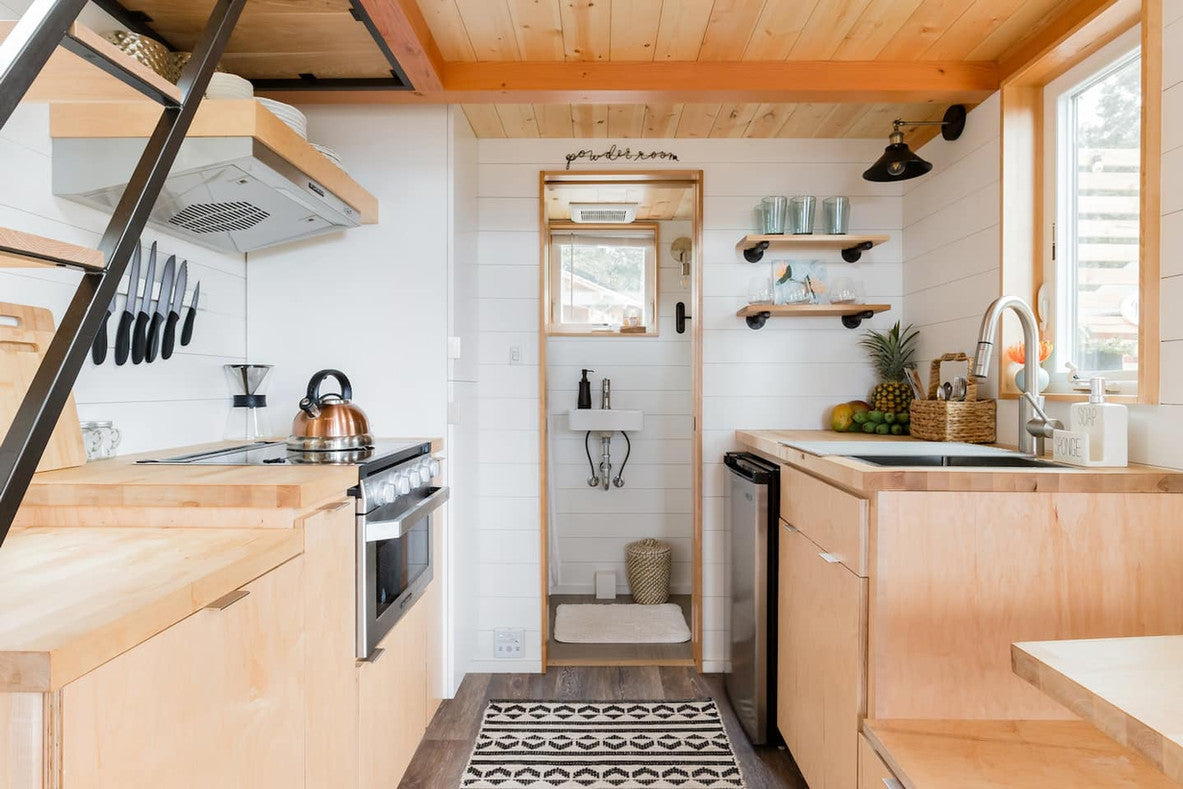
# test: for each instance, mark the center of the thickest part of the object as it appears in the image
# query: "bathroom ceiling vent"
(603, 213)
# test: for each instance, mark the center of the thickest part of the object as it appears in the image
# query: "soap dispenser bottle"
(1107, 426)
(585, 390)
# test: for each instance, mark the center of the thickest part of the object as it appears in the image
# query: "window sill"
(601, 333)
(1076, 397)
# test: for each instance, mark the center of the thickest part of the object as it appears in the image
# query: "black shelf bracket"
(856, 320)
(852, 254)
(754, 254)
(758, 320)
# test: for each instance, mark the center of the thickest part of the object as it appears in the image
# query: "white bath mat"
(621, 624)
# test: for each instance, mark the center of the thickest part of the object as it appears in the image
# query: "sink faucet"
(605, 394)
(1034, 424)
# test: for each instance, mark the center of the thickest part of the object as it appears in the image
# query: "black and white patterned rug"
(602, 745)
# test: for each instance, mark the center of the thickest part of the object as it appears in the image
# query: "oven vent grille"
(219, 217)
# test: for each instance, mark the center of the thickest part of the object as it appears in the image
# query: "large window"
(1092, 272)
(603, 280)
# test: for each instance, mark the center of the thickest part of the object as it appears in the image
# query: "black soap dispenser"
(585, 390)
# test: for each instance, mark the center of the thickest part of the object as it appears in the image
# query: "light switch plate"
(508, 643)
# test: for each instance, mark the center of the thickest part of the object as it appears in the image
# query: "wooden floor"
(443, 754)
(559, 654)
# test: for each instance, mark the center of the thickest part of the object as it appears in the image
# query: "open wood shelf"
(851, 314)
(216, 118)
(26, 250)
(852, 245)
(68, 77)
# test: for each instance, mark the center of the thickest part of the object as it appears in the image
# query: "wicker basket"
(970, 420)
(648, 563)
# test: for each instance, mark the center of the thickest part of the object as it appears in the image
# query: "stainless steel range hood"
(233, 194)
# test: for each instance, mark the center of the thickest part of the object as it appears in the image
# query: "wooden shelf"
(216, 118)
(25, 250)
(1123, 686)
(852, 245)
(1020, 754)
(68, 77)
(851, 314)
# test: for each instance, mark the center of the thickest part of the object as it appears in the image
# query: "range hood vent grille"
(218, 217)
(604, 213)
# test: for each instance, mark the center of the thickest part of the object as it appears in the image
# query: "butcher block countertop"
(865, 478)
(72, 599)
(1129, 688)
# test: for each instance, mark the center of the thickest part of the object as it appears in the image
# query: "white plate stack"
(329, 154)
(291, 117)
(229, 86)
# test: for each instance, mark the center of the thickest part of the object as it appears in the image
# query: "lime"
(868, 427)
(903, 417)
(897, 430)
(883, 429)
(875, 416)
(889, 418)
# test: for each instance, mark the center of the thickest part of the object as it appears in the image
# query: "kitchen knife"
(160, 309)
(174, 312)
(128, 317)
(190, 316)
(98, 350)
(139, 334)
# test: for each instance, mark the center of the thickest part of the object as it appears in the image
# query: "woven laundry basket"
(648, 563)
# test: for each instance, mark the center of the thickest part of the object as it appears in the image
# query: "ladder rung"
(102, 54)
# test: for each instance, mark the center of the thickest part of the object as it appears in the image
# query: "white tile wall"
(784, 376)
(182, 400)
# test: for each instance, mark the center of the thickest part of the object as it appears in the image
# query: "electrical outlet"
(515, 354)
(508, 643)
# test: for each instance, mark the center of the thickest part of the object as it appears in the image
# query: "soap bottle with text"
(1107, 426)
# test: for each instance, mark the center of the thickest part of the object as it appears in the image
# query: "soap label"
(1071, 446)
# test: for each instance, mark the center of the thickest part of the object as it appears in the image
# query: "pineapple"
(891, 352)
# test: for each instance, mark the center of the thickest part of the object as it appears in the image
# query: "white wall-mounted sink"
(600, 420)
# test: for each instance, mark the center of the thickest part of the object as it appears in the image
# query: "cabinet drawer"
(872, 772)
(834, 519)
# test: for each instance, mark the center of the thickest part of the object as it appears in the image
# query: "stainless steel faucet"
(605, 393)
(1034, 424)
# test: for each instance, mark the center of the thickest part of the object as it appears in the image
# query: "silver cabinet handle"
(378, 528)
(790, 529)
(892, 783)
(227, 600)
(374, 656)
(831, 558)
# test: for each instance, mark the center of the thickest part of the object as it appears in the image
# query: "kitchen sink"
(956, 461)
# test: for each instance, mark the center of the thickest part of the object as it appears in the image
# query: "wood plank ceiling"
(716, 31)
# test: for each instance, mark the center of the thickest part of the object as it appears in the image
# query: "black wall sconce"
(898, 162)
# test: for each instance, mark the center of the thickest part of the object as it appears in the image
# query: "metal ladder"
(44, 27)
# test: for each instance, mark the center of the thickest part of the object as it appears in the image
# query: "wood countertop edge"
(864, 480)
(49, 670)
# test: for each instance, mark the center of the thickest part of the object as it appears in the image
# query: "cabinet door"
(872, 772)
(215, 700)
(821, 663)
(392, 699)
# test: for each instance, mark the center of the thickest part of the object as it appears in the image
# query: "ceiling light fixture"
(898, 162)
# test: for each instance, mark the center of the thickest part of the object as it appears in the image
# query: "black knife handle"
(123, 338)
(187, 328)
(98, 350)
(139, 339)
(153, 337)
(170, 335)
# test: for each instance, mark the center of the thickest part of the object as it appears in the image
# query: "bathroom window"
(603, 280)
(1093, 147)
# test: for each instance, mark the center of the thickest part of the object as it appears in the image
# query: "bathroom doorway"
(621, 295)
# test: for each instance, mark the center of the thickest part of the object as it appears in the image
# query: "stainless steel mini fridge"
(751, 678)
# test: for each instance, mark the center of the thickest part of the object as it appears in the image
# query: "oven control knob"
(403, 483)
(433, 469)
(386, 494)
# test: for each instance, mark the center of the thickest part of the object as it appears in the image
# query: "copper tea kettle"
(329, 422)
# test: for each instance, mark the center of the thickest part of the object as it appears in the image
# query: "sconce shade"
(898, 163)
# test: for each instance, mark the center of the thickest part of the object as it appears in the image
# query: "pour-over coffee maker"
(248, 412)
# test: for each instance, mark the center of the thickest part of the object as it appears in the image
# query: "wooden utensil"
(25, 333)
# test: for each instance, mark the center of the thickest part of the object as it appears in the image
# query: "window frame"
(1057, 309)
(553, 292)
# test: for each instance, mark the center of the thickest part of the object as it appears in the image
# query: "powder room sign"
(614, 154)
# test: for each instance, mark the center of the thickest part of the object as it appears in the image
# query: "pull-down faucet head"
(1030, 435)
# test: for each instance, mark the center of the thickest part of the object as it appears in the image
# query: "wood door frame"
(695, 178)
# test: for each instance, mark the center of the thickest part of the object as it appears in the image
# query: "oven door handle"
(393, 529)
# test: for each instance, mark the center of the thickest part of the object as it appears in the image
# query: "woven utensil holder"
(648, 563)
(970, 420)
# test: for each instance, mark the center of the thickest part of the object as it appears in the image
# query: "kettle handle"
(311, 403)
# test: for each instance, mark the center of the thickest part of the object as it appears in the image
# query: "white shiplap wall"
(183, 400)
(784, 376)
(949, 283)
(591, 526)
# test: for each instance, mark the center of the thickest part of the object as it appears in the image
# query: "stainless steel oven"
(395, 560)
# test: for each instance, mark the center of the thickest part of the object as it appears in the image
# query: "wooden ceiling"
(650, 68)
(655, 200)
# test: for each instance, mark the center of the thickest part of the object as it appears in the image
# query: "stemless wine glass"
(845, 290)
(760, 290)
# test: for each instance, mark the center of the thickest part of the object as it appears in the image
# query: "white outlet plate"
(515, 354)
(508, 643)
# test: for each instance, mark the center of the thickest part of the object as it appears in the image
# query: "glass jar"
(101, 439)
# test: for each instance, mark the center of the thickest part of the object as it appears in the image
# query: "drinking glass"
(760, 290)
(836, 214)
(845, 290)
(774, 215)
(801, 210)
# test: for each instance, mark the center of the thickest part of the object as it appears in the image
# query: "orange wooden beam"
(693, 81)
(1082, 27)
(401, 24)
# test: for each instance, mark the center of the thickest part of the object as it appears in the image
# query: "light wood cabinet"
(215, 700)
(872, 772)
(821, 661)
(832, 518)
